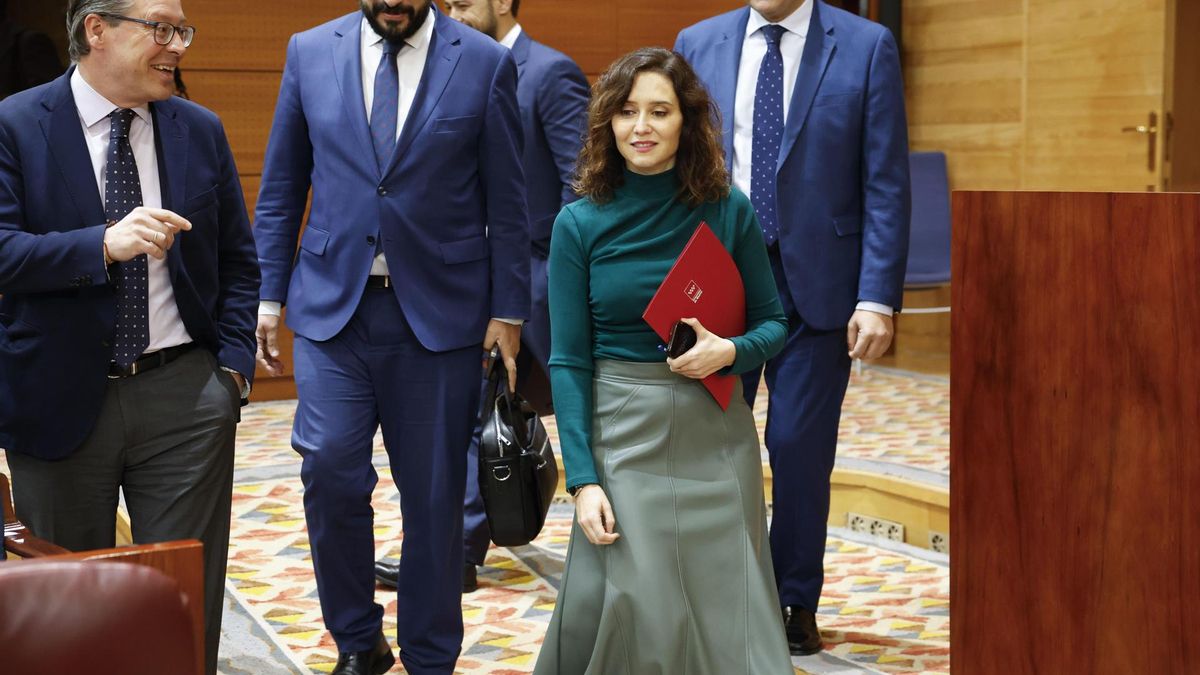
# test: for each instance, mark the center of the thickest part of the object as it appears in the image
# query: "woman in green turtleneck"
(669, 567)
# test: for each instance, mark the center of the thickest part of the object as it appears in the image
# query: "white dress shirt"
(754, 48)
(166, 328)
(511, 38)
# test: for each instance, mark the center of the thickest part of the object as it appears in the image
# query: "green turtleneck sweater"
(607, 261)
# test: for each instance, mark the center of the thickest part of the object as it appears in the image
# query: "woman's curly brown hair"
(700, 161)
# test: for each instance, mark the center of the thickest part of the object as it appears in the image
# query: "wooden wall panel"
(645, 24)
(582, 30)
(1034, 94)
(1094, 67)
(963, 65)
(245, 101)
(1075, 506)
(241, 36)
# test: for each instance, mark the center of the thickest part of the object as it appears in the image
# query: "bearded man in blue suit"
(813, 117)
(404, 125)
(553, 97)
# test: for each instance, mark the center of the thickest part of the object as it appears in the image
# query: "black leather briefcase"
(517, 472)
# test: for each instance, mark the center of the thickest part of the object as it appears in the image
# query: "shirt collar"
(416, 41)
(92, 106)
(511, 38)
(797, 22)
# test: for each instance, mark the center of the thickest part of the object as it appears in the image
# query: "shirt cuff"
(876, 307)
(515, 322)
(270, 307)
(245, 382)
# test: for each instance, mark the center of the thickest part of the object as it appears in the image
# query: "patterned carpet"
(884, 609)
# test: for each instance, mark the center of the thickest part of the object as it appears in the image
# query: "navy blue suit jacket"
(449, 205)
(842, 171)
(553, 96)
(58, 309)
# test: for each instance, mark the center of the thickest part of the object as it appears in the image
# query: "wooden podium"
(1075, 450)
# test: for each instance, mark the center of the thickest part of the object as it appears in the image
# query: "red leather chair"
(102, 618)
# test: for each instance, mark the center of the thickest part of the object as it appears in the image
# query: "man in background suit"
(129, 281)
(552, 94)
(813, 110)
(404, 124)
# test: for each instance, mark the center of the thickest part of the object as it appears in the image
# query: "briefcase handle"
(497, 392)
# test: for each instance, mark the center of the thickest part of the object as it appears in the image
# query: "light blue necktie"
(768, 133)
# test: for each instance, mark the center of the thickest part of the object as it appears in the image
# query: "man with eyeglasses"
(129, 285)
(404, 125)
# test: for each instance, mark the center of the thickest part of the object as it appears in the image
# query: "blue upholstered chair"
(929, 237)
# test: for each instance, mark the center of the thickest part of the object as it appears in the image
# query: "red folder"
(705, 284)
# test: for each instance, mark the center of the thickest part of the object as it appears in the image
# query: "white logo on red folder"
(693, 291)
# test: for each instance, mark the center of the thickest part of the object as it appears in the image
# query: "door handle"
(1151, 132)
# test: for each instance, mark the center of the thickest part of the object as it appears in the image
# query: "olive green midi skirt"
(688, 588)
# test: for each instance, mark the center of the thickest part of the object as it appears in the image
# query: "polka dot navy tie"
(122, 194)
(768, 133)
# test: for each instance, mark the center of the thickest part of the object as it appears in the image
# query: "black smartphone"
(682, 338)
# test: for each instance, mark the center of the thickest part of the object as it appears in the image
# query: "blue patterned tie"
(122, 194)
(385, 104)
(768, 133)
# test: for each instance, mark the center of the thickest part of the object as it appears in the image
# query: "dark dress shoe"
(801, 627)
(470, 581)
(387, 573)
(375, 661)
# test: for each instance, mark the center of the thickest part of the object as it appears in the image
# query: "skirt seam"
(604, 550)
(687, 606)
(745, 539)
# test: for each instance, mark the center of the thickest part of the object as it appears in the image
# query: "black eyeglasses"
(163, 31)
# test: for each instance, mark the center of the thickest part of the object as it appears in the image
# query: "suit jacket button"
(105, 343)
(370, 240)
(382, 191)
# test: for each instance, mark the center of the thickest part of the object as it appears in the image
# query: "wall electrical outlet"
(878, 527)
(939, 542)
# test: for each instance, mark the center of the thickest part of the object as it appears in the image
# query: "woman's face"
(648, 125)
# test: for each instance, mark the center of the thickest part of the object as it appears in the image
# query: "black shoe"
(375, 661)
(470, 581)
(387, 573)
(801, 627)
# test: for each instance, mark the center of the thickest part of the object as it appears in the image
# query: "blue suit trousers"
(806, 384)
(376, 373)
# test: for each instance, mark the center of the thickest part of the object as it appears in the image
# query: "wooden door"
(1094, 94)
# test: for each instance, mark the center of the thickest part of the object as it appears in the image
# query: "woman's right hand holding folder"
(711, 353)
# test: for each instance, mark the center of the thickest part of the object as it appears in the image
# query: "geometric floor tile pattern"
(885, 607)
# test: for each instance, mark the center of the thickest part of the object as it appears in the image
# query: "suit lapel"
(439, 66)
(727, 54)
(64, 136)
(818, 48)
(171, 146)
(520, 52)
(347, 68)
